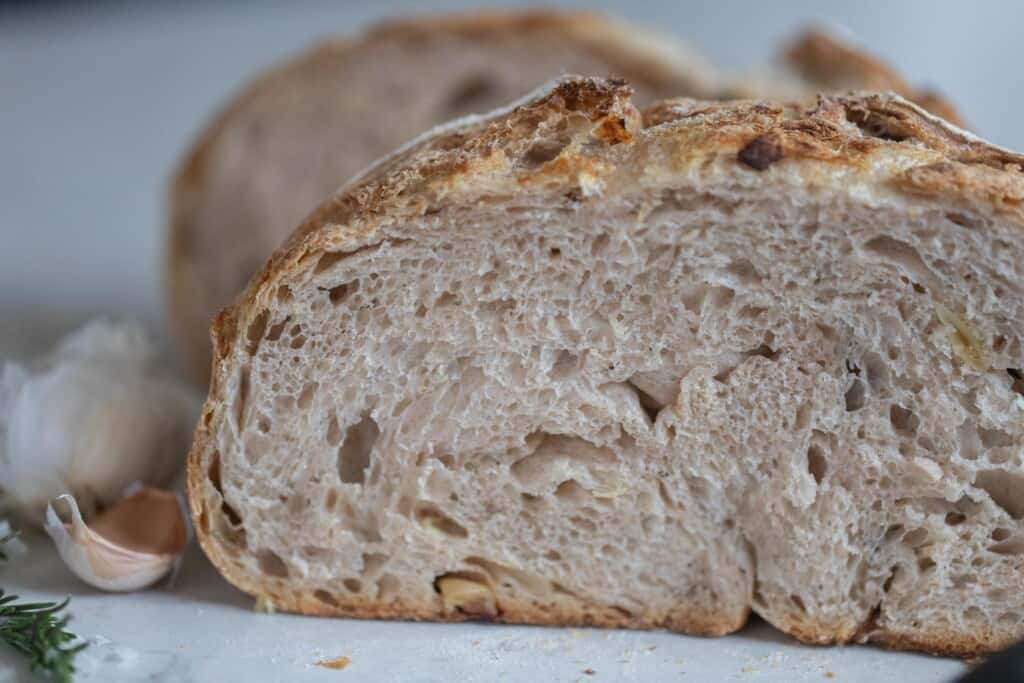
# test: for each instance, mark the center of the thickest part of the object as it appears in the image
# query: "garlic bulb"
(97, 414)
(129, 546)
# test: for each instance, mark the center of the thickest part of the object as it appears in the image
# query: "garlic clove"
(129, 546)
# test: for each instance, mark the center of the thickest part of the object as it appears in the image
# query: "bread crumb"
(589, 672)
(338, 664)
(829, 674)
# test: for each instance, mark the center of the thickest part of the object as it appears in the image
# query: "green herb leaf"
(36, 629)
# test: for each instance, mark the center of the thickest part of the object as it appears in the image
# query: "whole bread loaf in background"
(576, 364)
(294, 135)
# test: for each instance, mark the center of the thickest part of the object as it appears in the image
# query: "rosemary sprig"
(36, 629)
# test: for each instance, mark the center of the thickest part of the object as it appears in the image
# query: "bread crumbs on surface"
(829, 674)
(337, 664)
(589, 672)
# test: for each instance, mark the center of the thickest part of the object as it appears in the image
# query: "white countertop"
(202, 629)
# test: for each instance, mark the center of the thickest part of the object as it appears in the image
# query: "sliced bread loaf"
(574, 364)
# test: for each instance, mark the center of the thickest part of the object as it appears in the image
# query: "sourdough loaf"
(574, 363)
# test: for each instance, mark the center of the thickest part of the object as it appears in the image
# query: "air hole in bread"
(373, 563)
(325, 597)
(1018, 380)
(585, 524)
(241, 397)
(915, 537)
(446, 299)
(665, 496)
(965, 221)
(530, 500)
(875, 125)
(263, 424)
(334, 433)
(327, 260)
(744, 272)
(924, 564)
(654, 391)
(387, 587)
(213, 472)
(803, 416)
(1006, 489)
(277, 329)
(1007, 544)
(306, 395)
(599, 245)
(468, 593)
(902, 255)
(994, 438)
(430, 517)
(339, 293)
(570, 491)
(284, 294)
(271, 564)
(565, 365)
(213, 475)
(816, 463)
(1009, 619)
(798, 602)
(354, 453)
(352, 585)
(855, 396)
(254, 333)
(1000, 534)
(904, 421)
(543, 151)
(955, 518)
(331, 500)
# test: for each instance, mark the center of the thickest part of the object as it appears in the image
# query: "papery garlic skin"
(99, 562)
(97, 414)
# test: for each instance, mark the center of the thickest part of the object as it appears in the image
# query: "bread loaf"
(573, 363)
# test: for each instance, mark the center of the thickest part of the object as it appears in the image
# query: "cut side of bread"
(298, 132)
(576, 364)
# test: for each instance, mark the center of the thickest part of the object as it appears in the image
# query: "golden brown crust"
(883, 140)
(829, 64)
